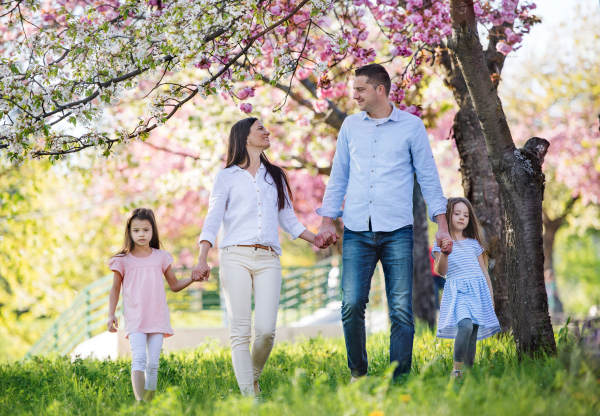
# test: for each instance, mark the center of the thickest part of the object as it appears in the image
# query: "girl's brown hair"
(139, 214)
(473, 229)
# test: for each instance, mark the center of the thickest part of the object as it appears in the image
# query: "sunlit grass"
(311, 378)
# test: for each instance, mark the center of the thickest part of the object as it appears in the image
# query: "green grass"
(311, 378)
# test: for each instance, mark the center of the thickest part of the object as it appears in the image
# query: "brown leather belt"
(257, 246)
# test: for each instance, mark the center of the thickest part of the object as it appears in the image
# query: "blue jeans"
(361, 252)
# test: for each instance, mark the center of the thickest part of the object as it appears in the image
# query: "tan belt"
(257, 246)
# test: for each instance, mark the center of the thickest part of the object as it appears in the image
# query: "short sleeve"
(167, 260)
(435, 248)
(116, 265)
(478, 249)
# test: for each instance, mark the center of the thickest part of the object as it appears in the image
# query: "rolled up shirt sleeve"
(427, 173)
(289, 222)
(216, 211)
(338, 180)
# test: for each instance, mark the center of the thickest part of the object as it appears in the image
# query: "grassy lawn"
(311, 378)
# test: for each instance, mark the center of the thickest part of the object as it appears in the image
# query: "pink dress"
(144, 298)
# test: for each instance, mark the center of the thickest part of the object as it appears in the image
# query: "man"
(378, 151)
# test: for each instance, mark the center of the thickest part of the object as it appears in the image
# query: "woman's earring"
(247, 143)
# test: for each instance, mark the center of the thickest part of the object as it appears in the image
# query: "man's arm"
(443, 233)
(335, 191)
(429, 179)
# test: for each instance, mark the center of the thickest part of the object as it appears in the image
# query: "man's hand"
(201, 271)
(326, 235)
(442, 236)
(320, 241)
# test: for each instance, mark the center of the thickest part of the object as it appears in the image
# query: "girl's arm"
(487, 276)
(174, 284)
(441, 263)
(113, 299)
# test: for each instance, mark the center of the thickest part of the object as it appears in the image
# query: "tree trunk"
(550, 229)
(521, 181)
(423, 297)
(479, 183)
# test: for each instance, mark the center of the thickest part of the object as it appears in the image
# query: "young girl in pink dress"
(139, 267)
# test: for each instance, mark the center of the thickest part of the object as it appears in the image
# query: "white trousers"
(140, 361)
(245, 270)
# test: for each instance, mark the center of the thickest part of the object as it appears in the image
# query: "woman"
(251, 197)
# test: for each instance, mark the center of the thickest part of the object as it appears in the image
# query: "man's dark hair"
(376, 74)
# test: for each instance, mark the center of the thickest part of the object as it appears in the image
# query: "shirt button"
(370, 202)
(375, 141)
(259, 228)
(259, 203)
(372, 171)
(259, 191)
(371, 186)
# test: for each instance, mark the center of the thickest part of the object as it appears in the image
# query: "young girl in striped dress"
(467, 310)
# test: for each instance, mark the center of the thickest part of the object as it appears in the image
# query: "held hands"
(444, 241)
(326, 236)
(201, 272)
(446, 246)
(113, 323)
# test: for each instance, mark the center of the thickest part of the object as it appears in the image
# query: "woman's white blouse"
(247, 207)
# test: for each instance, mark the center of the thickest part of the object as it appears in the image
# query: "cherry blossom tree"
(561, 101)
(74, 63)
(519, 175)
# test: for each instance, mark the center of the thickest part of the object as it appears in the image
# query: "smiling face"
(366, 95)
(460, 218)
(141, 232)
(259, 136)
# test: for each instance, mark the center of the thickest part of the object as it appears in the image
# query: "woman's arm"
(113, 299)
(174, 284)
(487, 276)
(441, 263)
(201, 270)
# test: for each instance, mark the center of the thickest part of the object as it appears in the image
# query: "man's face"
(367, 96)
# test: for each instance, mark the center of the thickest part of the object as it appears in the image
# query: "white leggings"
(243, 271)
(139, 362)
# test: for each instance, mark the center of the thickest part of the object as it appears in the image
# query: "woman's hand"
(201, 271)
(113, 323)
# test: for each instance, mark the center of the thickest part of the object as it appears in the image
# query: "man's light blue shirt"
(374, 168)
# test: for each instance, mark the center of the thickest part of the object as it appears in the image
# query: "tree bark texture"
(479, 183)
(521, 181)
(423, 293)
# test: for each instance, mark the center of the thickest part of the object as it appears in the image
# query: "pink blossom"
(363, 35)
(276, 10)
(320, 106)
(478, 10)
(246, 108)
(446, 29)
(245, 93)
(414, 19)
(413, 110)
(503, 47)
(512, 37)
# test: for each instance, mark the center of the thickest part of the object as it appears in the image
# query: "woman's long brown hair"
(237, 154)
(473, 229)
(139, 214)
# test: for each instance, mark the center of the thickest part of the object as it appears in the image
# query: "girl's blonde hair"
(139, 214)
(473, 229)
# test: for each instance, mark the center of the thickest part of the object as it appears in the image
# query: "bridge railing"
(304, 291)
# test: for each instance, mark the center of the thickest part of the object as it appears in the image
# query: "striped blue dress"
(466, 293)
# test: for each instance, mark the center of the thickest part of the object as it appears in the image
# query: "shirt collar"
(235, 168)
(394, 116)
